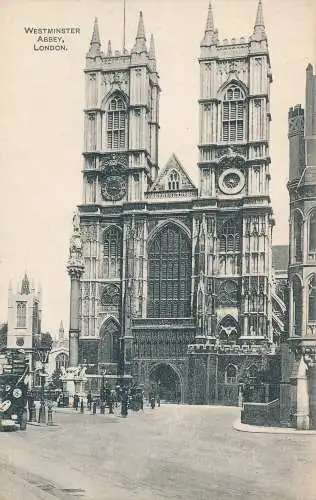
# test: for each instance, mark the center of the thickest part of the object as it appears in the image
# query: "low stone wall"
(262, 414)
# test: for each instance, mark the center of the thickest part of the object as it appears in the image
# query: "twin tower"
(157, 263)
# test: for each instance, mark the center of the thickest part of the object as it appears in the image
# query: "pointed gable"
(173, 178)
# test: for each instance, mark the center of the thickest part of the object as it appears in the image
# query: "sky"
(41, 109)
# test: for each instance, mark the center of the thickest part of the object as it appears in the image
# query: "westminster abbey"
(172, 284)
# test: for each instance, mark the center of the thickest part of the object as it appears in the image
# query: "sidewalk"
(238, 426)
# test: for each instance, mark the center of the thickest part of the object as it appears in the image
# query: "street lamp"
(102, 392)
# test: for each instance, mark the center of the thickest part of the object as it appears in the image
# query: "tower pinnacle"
(140, 42)
(211, 34)
(109, 52)
(25, 287)
(259, 16)
(259, 28)
(95, 44)
(209, 21)
(95, 35)
(152, 52)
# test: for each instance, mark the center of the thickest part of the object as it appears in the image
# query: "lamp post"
(102, 392)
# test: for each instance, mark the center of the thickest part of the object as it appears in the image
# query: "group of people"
(127, 397)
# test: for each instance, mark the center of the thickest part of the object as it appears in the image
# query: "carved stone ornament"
(111, 295)
(231, 181)
(231, 151)
(114, 160)
(118, 79)
(75, 261)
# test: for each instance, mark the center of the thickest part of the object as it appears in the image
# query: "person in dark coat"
(89, 400)
(76, 401)
(141, 400)
(124, 403)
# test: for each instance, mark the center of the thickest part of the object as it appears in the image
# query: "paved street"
(172, 452)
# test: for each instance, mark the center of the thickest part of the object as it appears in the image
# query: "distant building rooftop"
(280, 257)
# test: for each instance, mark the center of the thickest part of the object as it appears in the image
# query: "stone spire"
(109, 52)
(259, 17)
(95, 44)
(211, 34)
(95, 35)
(152, 52)
(25, 287)
(140, 42)
(61, 332)
(259, 28)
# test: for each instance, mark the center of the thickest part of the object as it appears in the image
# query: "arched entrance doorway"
(167, 383)
(109, 346)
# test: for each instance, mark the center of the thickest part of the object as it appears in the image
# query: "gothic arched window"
(112, 250)
(62, 361)
(231, 374)
(229, 238)
(233, 115)
(169, 274)
(252, 372)
(312, 299)
(21, 315)
(116, 123)
(298, 236)
(312, 232)
(173, 180)
(297, 307)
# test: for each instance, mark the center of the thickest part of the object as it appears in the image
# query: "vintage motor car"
(13, 394)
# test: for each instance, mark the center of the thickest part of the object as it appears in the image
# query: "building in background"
(24, 319)
(58, 357)
(298, 388)
(172, 284)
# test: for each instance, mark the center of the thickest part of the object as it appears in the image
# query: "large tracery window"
(312, 232)
(112, 250)
(116, 123)
(169, 275)
(312, 300)
(229, 240)
(233, 115)
(21, 315)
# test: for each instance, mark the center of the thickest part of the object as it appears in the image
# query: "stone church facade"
(171, 283)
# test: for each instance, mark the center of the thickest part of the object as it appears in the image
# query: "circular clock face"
(231, 181)
(113, 187)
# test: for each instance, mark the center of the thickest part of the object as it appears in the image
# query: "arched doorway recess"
(167, 382)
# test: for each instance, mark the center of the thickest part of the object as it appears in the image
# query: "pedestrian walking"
(76, 401)
(89, 400)
(141, 396)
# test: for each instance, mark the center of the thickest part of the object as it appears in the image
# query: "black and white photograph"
(158, 250)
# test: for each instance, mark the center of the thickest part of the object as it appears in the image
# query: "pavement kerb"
(238, 426)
